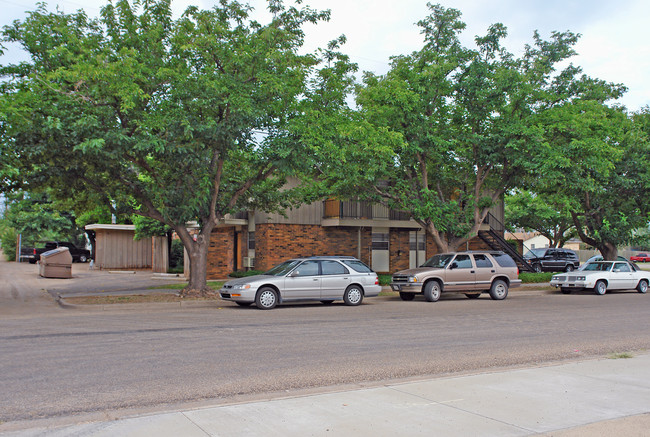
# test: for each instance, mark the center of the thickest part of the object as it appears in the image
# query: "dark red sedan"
(641, 257)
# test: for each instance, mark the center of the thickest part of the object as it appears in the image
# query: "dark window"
(482, 261)
(308, 268)
(417, 241)
(504, 260)
(357, 265)
(379, 241)
(463, 262)
(251, 240)
(333, 268)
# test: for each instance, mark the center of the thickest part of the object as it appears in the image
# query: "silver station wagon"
(323, 278)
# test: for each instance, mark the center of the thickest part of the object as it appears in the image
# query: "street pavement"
(601, 397)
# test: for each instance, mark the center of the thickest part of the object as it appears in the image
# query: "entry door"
(304, 282)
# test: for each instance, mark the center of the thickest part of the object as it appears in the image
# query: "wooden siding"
(116, 249)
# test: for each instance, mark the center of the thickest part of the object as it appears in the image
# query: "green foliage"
(177, 120)
(146, 227)
(176, 256)
(534, 278)
(549, 214)
(8, 238)
(385, 279)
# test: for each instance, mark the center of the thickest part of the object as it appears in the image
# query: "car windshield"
(598, 266)
(438, 261)
(535, 253)
(283, 269)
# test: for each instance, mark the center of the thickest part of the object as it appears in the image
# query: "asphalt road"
(58, 363)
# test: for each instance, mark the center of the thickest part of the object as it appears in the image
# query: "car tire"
(243, 304)
(600, 288)
(32, 261)
(406, 296)
(432, 291)
(353, 295)
(569, 268)
(83, 259)
(473, 295)
(326, 302)
(499, 290)
(537, 267)
(642, 287)
(566, 290)
(266, 298)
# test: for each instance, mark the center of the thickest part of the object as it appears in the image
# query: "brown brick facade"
(275, 243)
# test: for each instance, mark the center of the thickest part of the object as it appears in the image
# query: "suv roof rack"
(332, 256)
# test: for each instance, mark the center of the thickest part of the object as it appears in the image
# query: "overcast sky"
(614, 44)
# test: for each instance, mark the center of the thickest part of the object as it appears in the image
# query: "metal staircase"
(493, 238)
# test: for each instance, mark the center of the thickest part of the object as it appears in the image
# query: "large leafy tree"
(597, 159)
(549, 215)
(180, 120)
(466, 121)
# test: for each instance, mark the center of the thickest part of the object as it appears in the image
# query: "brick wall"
(275, 242)
(221, 253)
(399, 249)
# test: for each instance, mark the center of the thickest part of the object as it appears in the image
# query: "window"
(482, 261)
(379, 241)
(357, 265)
(308, 268)
(504, 260)
(416, 241)
(621, 267)
(251, 240)
(463, 262)
(333, 268)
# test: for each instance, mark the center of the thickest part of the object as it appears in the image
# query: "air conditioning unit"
(249, 261)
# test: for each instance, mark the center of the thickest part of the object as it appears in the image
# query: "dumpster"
(56, 263)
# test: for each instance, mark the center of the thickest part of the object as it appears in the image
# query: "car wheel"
(566, 291)
(537, 267)
(473, 295)
(32, 261)
(643, 286)
(499, 290)
(83, 259)
(600, 288)
(569, 268)
(353, 295)
(243, 304)
(266, 298)
(406, 296)
(327, 302)
(432, 291)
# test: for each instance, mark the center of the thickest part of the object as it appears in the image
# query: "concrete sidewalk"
(589, 398)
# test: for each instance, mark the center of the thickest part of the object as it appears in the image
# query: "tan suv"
(471, 273)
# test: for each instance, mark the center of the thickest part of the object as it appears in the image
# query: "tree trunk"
(609, 251)
(198, 254)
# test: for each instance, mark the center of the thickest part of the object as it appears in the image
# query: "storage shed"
(115, 248)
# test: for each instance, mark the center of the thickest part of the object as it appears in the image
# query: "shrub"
(176, 256)
(244, 273)
(533, 278)
(8, 242)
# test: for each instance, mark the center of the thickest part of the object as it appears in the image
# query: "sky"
(613, 46)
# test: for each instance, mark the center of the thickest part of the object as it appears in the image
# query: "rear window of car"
(504, 260)
(357, 265)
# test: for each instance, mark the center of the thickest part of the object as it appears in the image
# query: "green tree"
(597, 159)
(547, 215)
(180, 120)
(466, 121)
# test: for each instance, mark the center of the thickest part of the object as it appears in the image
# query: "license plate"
(396, 287)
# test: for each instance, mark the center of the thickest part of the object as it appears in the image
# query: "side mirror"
(453, 265)
(293, 274)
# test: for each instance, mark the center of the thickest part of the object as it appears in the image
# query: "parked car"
(78, 254)
(602, 276)
(641, 257)
(323, 278)
(471, 273)
(552, 259)
(600, 258)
